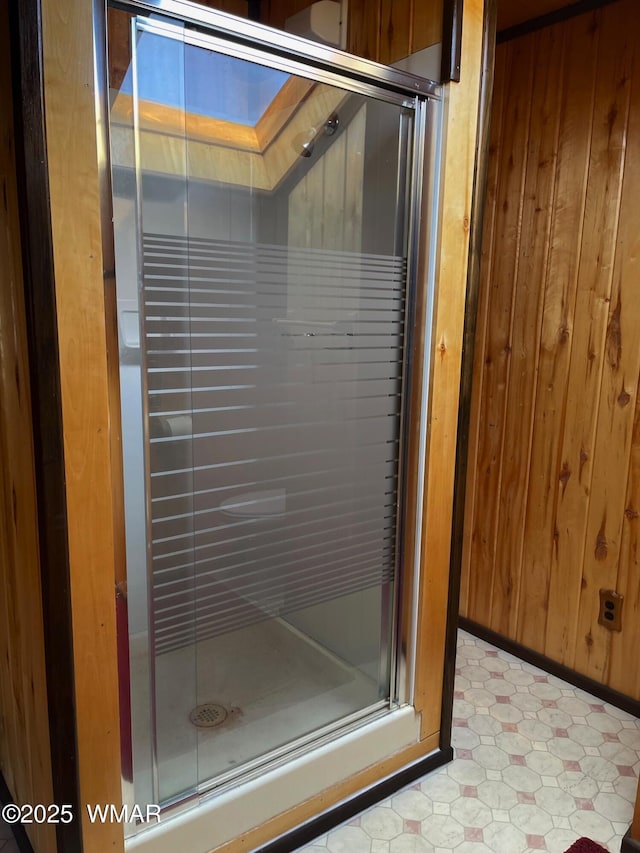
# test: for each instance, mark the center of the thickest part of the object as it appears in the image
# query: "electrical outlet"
(610, 615)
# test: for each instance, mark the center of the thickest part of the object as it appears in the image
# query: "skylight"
(207, 83)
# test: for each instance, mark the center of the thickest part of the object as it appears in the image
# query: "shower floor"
(280, 684)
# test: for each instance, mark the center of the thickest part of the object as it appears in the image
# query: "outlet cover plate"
(610, 615)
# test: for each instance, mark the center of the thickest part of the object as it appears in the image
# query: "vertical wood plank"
(486, 272)
(620, 364)
(551, 612)
(25, 758)
(511, 13)
(297, 217)
(332, 189)
(457, 187)
(525, 330)
(497, 355)
(81, 308)
(426, 28)
(119, 26)
(396, 18)
(233, 7)
(593, 295)
(315, 190)
(363, 30)
(383, 30)
(353, 189)
(624, 645)
(275, 12)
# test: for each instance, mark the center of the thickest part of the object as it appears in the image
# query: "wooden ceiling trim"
(164, 151)
(281, 109)
(174, 121)
(537, 14)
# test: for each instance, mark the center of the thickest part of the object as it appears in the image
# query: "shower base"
(281, 684)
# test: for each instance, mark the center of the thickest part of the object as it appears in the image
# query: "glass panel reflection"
(271, 272)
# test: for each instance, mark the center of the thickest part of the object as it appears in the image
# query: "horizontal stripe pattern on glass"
(274, 379)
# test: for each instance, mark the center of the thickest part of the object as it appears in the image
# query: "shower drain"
(208, 715)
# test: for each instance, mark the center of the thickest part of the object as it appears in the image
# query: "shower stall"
(268, 197)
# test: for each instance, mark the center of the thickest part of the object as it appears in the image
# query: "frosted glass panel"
(270, 299)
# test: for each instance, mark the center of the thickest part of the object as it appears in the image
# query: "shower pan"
(266, 200)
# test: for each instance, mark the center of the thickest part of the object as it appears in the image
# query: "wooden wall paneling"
(510, 13)
(275, 12)
(518, 68)
(11, 269)
(233, 7)
(25, 758)
(624, 644)
(390, 30)
(461, 123)
(426, 25)
(383, 30)
(7, 719)
(353, 191)
(314, 186)
(589, 324)
(333, 195)
(551, 616)
(119, 46)
(593, 295)
(297, 224)
(525, 331)
(582, 457)
(396, 21)
(620, 365)
(363, 28)
(282, 155)
(486, 270)
(67, 29)
(320, 190)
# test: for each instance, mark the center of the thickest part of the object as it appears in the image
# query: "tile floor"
(538, 764)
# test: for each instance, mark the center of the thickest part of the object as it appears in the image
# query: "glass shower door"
(264, 212)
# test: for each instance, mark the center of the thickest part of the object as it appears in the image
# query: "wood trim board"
(467, 363)
(461, 125)
(84, 375)
(173, 121)
(39, 294)
(549, 19)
